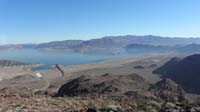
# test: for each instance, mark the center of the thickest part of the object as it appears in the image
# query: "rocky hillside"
(107, 84)
(147, 48)
(183, 71)
(122, 88)
(12, 63)
(168, 90)
(68, 44)
(165, 95)
(132, 86)
(105, 93)
(24, 85)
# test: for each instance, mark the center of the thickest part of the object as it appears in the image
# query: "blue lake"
(49, 58)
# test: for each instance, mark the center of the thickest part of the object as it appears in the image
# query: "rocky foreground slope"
(126, 85)
(104, 93)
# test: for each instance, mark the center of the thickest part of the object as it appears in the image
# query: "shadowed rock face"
(185, 72)
(106, 84)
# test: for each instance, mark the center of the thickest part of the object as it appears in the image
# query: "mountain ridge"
(118, 38)
(183, 71)
(113, 44)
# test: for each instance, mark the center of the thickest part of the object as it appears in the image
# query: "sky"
(37, 21)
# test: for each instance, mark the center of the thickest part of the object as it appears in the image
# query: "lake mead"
(49, 58)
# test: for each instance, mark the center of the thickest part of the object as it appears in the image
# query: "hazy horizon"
(38, 21)
(92, 38)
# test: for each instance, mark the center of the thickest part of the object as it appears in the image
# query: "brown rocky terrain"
(125, 85)
(106, 84)
(21, 85)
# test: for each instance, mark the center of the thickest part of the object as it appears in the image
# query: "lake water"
(49, 58)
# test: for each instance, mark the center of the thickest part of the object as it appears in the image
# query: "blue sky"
(35, 21)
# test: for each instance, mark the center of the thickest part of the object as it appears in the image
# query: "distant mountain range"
(117, 42)
(111, 42)
(189, 48)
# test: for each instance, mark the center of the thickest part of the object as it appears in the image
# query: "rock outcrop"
(107, 84)
(168, 90)
(184, 71)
